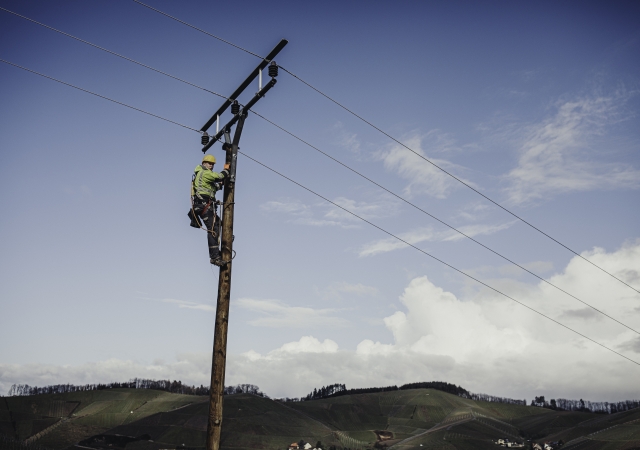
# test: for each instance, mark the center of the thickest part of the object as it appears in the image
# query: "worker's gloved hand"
(227, 166)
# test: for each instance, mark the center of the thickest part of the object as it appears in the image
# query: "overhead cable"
(399, 143)
(325, 154)
(456, 178)
(101, 96)
(320, 151)
(440, 220)
(112, 53)
(198, 29)
(431, 256)
(338, 206)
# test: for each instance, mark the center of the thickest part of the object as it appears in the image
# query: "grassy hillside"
(418, 418)
(402, 420)
(249, 422)
(64, 419)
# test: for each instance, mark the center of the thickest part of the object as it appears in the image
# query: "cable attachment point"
(205, 139)
(273, 69)
(235, 107)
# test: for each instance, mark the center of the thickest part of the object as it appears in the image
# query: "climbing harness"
(195, 215)
(200, 206)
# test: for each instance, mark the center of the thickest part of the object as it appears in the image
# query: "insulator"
(235, 107)
(273, 69)
(205, 139)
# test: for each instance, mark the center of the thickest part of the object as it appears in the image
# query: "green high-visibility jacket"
(204, 182)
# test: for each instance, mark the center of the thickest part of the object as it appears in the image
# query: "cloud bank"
(481, 341)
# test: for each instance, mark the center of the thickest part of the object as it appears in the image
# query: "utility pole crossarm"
(272, 54)
(235, 118)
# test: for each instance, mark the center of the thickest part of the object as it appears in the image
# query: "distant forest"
(560, 404)
(175, 387)
(333, 390)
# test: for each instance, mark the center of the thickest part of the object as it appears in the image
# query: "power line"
(335, 204)
(440, 220)
(399, 143)
(317, 149)
(454, 177)
(112, 53)
(313, 147)
(101, 96)
(198, 29)
(431, 256)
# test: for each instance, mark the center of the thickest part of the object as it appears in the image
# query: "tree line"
(563, 404)
(337, 390)
(560, 404)
(175, 387)
(332, 390)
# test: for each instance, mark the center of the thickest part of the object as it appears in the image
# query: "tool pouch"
(195, 220)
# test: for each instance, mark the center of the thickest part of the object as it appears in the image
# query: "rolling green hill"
(403, 420)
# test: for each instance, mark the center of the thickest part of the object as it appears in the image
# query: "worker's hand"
(227, 166)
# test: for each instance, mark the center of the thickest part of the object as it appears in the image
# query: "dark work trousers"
(212, 222)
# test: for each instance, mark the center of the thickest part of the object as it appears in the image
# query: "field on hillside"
(61, 420)
(417, 419)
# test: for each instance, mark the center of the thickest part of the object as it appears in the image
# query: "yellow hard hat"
(209, 158)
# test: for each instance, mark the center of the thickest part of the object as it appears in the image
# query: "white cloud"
(325, 214)
(482, 341)
(276, 314)
(189, 367)
(189, 305)
(474, 211)
(476, 230)
(556, 155)
(539, 266)
(306, 344)
(429, 235)
(346, 139)
(383, 207)
(423, 177)
(486, 342)
(287, 206)
(299, 212)
(389, 244)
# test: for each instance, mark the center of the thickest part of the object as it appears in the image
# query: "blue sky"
(535, 105)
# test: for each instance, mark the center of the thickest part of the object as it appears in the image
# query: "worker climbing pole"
(227, 254)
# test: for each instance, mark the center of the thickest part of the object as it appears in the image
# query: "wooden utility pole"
(224, 294)
(219, 362)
